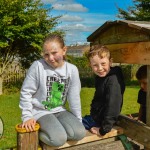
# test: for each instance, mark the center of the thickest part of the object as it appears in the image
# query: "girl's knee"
(77, 134)
(57, 140)
(80, 133)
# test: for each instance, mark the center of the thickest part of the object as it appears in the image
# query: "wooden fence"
(14, 76)
(14, 73)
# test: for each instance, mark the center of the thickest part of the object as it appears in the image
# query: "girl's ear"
(64, 50)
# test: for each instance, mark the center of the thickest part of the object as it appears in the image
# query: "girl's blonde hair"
(100, 50)
(54, 37)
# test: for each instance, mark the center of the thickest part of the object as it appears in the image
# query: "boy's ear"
(111, 61)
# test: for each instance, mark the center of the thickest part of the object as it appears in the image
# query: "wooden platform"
(88, 138)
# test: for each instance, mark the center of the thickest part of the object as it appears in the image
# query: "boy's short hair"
(142, 72)
(100, 50)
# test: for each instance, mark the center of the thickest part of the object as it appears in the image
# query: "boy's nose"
(143, 87)
(100, 67)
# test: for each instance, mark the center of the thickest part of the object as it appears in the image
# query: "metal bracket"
(126, 143)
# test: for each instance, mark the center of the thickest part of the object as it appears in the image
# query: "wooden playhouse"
(129, 42)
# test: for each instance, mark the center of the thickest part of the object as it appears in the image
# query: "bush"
(12, 87)
(87, 81)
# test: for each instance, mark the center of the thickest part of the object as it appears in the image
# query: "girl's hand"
(95, 130)
(29, 125)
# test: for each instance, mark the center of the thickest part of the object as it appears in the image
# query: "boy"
(109, 88)
(141, 75)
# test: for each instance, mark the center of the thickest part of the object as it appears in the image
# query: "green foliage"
(80, 62)
(12, 87)
(139, 12)
(85, 71)
(126, 69)
(24, 24)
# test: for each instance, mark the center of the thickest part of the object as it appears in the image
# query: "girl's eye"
(46, 55)
(53, 53)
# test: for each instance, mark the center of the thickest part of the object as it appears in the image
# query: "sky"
(80, 18)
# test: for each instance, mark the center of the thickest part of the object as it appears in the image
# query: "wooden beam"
(131, 53)
(148, 97)
(135, 130)
(88, 138)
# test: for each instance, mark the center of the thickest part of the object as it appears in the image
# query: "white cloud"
(69, 18)
(76, 21)
(76, 27)
(49, 1)
(70, 7)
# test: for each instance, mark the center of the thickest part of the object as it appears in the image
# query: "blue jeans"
(88, 122)
(56, 129)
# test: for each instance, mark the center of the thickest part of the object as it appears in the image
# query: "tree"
(23, 25)
(139, 12)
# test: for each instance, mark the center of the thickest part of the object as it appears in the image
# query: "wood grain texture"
(88, 138)
(135, 130)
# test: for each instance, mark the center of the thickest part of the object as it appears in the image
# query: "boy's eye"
(94, 65)
(103, 64)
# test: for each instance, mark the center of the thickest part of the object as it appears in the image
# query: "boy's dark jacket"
(107, 102)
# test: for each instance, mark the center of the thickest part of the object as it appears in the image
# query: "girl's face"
(53, 54)
(100, 66)
(143, 84)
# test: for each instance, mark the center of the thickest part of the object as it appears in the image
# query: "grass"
(11, 114)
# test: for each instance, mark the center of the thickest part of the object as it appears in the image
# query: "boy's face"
(143, 84)
(100, 66)
(53, 54)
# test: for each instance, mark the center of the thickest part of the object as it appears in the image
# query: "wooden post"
(27, 140)
(148, 101)
(148, 97)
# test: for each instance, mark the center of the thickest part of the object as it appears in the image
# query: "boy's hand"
(29, 125)
(95, 130)
(130, 116)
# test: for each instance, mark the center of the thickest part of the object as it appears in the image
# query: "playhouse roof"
(139, 25)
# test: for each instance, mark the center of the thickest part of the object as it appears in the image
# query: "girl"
(49, 83)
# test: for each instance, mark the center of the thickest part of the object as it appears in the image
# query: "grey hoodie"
(45, 90)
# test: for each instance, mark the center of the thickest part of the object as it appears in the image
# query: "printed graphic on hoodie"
(56, 92)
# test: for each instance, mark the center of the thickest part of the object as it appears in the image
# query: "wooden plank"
(135, 130)
(148, 97)
(131, 53)
(88, 138)
(107, 145)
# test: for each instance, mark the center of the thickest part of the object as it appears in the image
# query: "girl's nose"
(51, 57)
